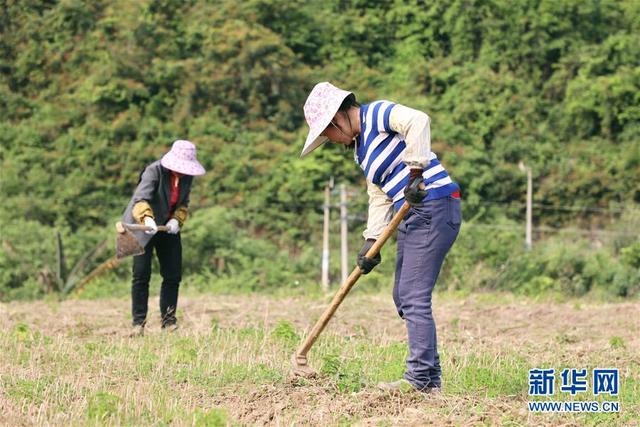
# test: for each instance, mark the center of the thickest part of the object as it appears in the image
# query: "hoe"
(299, 358)
(127, 244)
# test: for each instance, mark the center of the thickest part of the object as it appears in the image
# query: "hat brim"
(192, 168)
(313, 142)
(314, 139)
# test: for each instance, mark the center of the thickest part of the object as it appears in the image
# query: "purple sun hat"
(321, 105)
(182, 159)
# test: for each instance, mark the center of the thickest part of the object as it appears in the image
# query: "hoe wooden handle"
(140, 227)
(122, 227)
(300, 356)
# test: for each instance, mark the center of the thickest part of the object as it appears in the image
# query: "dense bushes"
(220, 256)
(564, 264)
(90, 92)
(233, 255)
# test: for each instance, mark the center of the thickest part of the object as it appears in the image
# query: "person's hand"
(414, 193)
(173, 226)
(367, 264)
(150, 222)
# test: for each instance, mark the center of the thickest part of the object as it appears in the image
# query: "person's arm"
(380, 212)
(144, 193)
(415, 126)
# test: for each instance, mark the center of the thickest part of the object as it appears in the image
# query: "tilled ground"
(574, 334)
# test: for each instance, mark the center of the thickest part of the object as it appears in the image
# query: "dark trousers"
(169, 251)
(424, 239)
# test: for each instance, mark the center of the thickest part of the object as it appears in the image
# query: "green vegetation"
(101, 406)
(239, 372)
(90, 92)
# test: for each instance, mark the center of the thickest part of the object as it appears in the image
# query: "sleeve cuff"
(140, 210)
(415, 164)
(368, 235)
(181, 215)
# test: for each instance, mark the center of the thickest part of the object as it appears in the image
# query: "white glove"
(173, 226)
(149, 222)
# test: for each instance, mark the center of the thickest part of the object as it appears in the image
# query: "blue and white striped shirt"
(379, 152)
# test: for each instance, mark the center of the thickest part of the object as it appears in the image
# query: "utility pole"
(325, 237)
(344, 233)
(528, 241)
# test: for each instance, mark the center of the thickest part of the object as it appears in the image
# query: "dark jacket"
(151, 198)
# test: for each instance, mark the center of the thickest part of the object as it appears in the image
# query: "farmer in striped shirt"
(392, 145)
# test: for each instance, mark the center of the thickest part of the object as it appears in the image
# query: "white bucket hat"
(321, 105)
(182, 159)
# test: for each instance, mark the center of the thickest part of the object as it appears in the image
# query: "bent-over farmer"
(392, 145)
(161, 197)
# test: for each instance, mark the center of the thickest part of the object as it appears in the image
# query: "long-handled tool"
(127, 243)
(299, 358)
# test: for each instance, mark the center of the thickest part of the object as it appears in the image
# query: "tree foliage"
(90, 92)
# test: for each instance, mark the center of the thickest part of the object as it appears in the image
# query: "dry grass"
(72, 363)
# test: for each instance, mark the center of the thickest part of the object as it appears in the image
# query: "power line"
(584, 208)
(547, 207)
(546, 229)
(560, 207)
(519, 228)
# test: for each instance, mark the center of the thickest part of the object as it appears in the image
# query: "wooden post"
(344, 233)
(325, 240)
(529, 215)
(528, 239)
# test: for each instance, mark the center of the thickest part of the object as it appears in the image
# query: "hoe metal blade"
(126, 243)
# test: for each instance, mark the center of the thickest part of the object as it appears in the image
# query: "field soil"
(73, 363)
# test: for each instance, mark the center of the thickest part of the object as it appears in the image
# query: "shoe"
(401, 386)
(172, 327)
(432, 389)
(137, 331)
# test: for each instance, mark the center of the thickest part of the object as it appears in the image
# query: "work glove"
(150, 222)
(173, 226)
(366, 264)
(414, 193)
